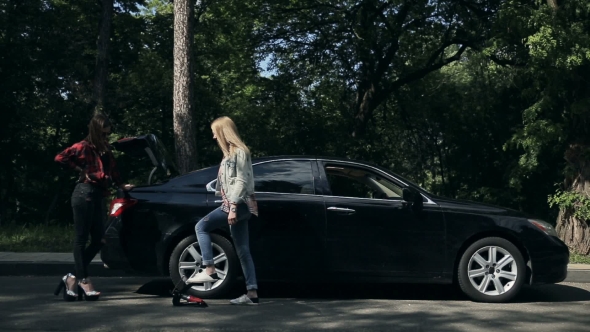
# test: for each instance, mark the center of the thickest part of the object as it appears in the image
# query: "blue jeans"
(239, 233)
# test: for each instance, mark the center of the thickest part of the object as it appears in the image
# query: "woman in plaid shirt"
(95, 163)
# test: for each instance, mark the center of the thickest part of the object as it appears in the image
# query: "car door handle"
(344, 210)
(218, 201)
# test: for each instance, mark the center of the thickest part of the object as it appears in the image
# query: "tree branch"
(418, 74)
(392, 50)
(505, 63)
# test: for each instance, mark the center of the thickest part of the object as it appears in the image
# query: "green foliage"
(370, 48)
(551, 48)
(37, 238)
(575, 203)
(157, 7)
(576, 258)
(491, 125)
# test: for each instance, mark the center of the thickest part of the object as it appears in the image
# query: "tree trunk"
(572, 230)
(184, 124)
(7, 211)
(363, 107)
(102, 61)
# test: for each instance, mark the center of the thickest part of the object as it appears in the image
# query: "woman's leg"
(241, 237)
(96, 236)
(210, 222)
(96, 232)
(83, 211)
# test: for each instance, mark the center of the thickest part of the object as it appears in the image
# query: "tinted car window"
(293, 177)
(355, 182)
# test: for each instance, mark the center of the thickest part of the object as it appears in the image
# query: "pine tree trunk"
(574, 231)
(102, 61)
(184, 124)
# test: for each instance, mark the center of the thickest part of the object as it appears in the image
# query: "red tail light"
(119, 205)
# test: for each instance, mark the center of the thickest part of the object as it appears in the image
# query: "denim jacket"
(236, 177)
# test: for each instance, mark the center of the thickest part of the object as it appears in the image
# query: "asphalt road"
(143, 304)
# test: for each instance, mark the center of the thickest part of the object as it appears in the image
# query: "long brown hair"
(95, 134)
(227, 136)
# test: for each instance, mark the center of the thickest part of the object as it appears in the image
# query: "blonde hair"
(227, 136)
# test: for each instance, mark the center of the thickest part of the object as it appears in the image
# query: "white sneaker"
(244, 300)
(202, 277)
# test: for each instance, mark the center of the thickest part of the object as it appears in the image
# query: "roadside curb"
(578, 275)
(95, 269)
(52, 264)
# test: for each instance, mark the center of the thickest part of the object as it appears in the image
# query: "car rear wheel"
(491, 270)
(186, 259)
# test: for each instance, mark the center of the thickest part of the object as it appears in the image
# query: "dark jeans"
(87, 204)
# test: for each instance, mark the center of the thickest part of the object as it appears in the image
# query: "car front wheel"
(491, 270)
(186, 260)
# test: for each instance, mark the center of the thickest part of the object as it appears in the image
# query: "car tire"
(220, 244)
(491, 270)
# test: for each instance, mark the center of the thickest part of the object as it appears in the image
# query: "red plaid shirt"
(84, 155)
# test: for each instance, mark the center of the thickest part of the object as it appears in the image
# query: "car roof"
(310, 157)
(257, 160)
(306, 157)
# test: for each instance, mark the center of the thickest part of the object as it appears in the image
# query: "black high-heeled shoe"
(69, 295)
(88, 296)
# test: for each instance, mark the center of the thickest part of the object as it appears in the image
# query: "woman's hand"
(232, 217)
(82, 174)
(127, 187)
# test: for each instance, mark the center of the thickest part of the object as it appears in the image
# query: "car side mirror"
(408, 195)
(413, 198)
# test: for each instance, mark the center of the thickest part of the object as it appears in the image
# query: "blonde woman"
(235, 184)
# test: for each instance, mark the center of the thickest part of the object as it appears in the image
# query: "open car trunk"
(151, 148)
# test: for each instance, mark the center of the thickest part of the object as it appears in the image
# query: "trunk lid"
(150, 147)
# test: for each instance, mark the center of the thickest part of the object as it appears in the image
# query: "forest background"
(485, 100)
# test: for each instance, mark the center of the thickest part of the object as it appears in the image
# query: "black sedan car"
(344, 220)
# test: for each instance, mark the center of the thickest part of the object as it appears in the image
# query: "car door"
(291, 223)
(372, 231)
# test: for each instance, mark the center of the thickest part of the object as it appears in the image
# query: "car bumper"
(550, 262)
(113, 253)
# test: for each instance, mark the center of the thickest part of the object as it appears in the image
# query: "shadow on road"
(544, 293)
(552, 293)
(160, 287)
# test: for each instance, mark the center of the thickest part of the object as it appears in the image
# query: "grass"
(55, 238)
(36, 238)
(579, 259)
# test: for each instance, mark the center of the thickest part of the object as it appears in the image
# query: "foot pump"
(180, 296)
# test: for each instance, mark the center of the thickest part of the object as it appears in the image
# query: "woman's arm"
(72, 157)
(93, 172)
(241, 180)
(217, 186)
(115, 175)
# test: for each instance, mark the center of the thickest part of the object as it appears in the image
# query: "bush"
(37, 238)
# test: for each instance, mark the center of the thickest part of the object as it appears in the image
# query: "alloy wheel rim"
(492, 270)
(190, 261)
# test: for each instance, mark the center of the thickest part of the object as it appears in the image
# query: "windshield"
(401, 178)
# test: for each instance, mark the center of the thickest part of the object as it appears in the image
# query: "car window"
(292, 176)
(346, 181)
